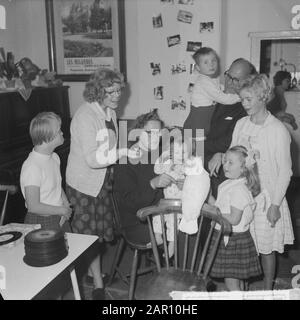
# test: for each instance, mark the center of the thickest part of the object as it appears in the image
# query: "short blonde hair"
(102, 78)
(259, 84)
(43, 127)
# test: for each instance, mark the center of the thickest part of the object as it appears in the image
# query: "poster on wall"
(185, 1)
(155, 67)
(85, 36)
(206, 27)
(193, 46)
(173, 40)
(185, 16)
(157, 21)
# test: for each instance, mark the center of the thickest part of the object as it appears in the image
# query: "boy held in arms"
(40, 177)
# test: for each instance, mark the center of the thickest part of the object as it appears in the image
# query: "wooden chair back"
(199, 252)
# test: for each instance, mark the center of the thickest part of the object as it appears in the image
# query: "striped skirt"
(238, 259)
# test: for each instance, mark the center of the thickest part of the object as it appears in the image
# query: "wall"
(153, 47)
(242, 16)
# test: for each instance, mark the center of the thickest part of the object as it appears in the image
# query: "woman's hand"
(215, 163)
(180, 184)
(162, 181)
(273, 214)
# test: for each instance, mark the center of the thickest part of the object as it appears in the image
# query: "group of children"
(260, 224)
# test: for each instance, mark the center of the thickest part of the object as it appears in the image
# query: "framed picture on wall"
(84, 35)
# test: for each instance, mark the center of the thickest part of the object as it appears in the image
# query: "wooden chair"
(129, 236)
(180, 276)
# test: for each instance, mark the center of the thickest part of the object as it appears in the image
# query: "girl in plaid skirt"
(237, 257)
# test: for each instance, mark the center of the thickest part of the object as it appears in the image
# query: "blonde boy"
(40, 177)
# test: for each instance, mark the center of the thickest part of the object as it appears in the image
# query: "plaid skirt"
(93, 215)
(47, 222)
(238, 259)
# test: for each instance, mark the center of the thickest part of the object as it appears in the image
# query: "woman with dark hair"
(135, 183)
(277, 105)
(88, 175)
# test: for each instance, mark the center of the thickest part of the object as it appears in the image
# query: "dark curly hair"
(143, 119)
(99, 80)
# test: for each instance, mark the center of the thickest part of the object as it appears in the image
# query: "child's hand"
(180, 184)
(66, 212)
(273, 215)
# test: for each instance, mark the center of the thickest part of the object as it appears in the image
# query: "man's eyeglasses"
(232, 79)
(113, 92)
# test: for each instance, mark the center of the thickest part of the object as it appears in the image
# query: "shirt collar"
(105, 115)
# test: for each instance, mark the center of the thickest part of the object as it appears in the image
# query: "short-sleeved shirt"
(43, 171)
(234, 192)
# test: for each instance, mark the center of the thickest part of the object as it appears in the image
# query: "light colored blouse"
(272, 141)
(83, 172)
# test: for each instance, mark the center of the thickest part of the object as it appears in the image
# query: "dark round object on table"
(44, 247)
(9, 236)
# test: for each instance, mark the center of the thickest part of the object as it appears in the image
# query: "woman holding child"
(88, 174)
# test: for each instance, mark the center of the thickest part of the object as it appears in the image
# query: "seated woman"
(277, 105)
(135, 183)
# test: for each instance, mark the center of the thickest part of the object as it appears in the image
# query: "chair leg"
(133, 274)
(116, 260)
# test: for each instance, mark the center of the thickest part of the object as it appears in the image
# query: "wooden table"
(23, 282)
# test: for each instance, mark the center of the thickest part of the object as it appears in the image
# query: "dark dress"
(133, 191)
(94, 215)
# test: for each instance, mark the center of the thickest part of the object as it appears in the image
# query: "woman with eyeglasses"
(88, 175)
(206, 91)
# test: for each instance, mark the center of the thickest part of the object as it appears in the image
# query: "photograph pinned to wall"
(193, 46)
(157, 21)
(185, 16)
(192, 67)
(84, 36)
(159, 93)
(167, 1)
(178, 68)
(179, 104)
(155, 67)
(206, 27)
(173, 40)
(186, 2)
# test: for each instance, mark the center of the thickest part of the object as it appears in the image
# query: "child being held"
(237, 257)
(170, 162)
(40, 177)
(192, 188)
(206, 91)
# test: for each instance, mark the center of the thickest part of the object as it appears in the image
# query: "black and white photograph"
(191, 2)
(159, 93)
(155, 67)
(157, 21)
(100, 200)
(193, 46)
(206, 27)
(173, 40)
(167, 1)
(178, 104)
(185, 16)
(178, 68)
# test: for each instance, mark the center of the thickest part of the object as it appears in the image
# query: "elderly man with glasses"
(223, 121)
